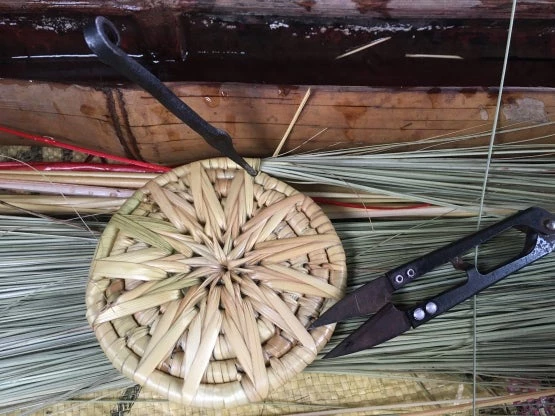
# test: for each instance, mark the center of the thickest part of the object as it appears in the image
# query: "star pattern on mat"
(229, 268)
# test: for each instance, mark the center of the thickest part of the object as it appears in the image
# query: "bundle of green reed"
(47, 350)
(520, 174)
(422, 178)
(49, 353)
(365, 182)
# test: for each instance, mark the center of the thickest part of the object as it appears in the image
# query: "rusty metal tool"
(103, 39)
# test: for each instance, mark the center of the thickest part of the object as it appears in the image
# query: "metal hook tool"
(103, 38)
(389, 321)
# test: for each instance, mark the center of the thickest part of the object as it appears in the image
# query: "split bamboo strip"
(292, 123)
(123, 179)
(365, 181)
(442, 407)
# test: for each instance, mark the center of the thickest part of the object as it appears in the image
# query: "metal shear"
(389, 321)
(103, 39)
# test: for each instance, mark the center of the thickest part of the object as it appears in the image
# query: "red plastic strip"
(52, 142)
(76, 166)
(364, 206)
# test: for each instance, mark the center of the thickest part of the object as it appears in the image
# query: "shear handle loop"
(533, 219)
(477, 282)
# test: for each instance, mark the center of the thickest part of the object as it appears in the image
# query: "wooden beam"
(301, 8)
(129, 122)
(430, 43)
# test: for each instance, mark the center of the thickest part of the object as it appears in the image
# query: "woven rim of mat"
(204, 282)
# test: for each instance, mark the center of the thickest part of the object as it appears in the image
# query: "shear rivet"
(550, 225)
(399, 278)
(418, 314)
(431, 308)
(410, 273)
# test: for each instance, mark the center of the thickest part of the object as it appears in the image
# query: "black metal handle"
(102, 37)
(476, 282)
(535, 219)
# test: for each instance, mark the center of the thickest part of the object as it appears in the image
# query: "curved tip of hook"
(101, 33)
(222, 141)
(250, 170)
(241, 162)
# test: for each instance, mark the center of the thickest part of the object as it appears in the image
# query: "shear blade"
(388, 323)
(366, 300)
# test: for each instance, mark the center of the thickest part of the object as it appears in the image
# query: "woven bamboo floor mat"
(308, 393)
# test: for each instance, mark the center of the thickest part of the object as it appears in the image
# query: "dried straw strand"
(514, 313)
(523, 178)
(43, 331)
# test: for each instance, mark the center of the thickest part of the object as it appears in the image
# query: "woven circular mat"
(204, 282)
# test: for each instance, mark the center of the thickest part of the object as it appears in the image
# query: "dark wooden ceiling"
(448, 43)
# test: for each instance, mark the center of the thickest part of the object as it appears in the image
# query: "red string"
(76, 166)
(364, 206)
(146, 167)
(52, 142)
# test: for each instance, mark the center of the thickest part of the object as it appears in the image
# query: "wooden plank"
(77, 114)
(129, 122)
(301, 9)
(287, 42)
